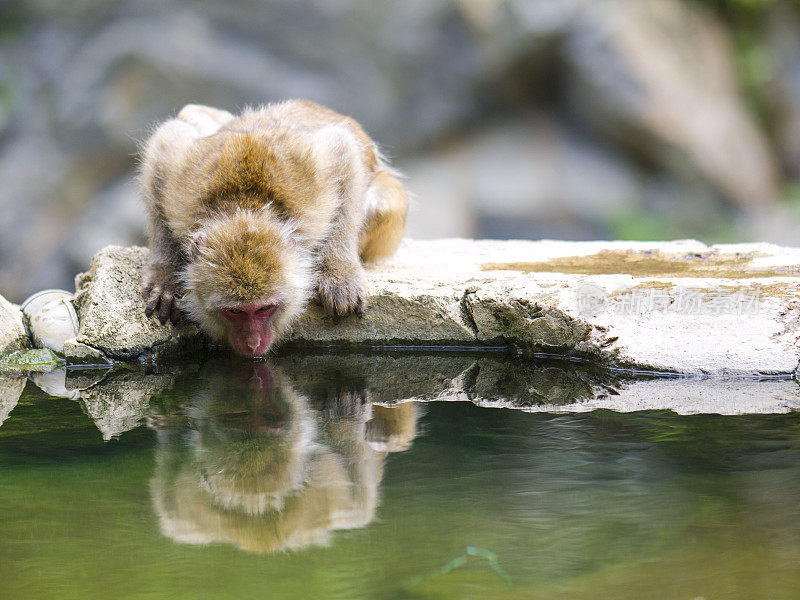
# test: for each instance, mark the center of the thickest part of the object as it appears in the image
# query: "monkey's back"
(291, 158)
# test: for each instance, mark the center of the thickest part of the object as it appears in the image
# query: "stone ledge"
(681, 306)
(13, 335)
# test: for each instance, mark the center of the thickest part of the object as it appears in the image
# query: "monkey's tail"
(387, 206)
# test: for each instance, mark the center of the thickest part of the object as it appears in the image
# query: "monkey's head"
(247, 279)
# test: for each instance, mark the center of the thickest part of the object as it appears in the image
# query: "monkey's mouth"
(252, 347)
(254, 351)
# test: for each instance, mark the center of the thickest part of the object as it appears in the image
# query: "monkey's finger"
(165, 307)
(154, 295)
(175, 313)
(360, 308)
(341, 307)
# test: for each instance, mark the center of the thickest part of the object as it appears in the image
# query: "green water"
(248, 483)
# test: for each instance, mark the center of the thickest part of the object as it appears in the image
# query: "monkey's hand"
(342, 288)
(354, 404)
(162, 293)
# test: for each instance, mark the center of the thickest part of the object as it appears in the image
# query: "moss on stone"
(40, 360)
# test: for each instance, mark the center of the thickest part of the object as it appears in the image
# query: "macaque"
(251, 215)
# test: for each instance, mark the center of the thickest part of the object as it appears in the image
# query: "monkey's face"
(247, 281)
(250, 326)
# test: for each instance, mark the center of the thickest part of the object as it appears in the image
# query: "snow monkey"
(251, 215)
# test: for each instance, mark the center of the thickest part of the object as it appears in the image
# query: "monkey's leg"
(205, 119)
(162, 157)
(386, 207)
(341, 280)
(161, 289)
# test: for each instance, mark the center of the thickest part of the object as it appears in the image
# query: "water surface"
(244, 480)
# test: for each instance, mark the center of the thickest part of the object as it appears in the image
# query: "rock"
(668, 306)
(78, 353)
(658, 77)
(34, 167)
(110, 79)
(51, 318)
(39, 360)
(114, 216)
(108, 299)
(12, 329)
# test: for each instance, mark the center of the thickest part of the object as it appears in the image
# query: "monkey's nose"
(253, 343)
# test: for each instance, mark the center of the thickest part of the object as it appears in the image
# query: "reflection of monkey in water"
(266, 472)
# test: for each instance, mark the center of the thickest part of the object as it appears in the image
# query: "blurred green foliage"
(712, 227)
(14, 19)
(746, 20)
(741, 8)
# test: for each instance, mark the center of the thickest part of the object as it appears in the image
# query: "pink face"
(250, 327)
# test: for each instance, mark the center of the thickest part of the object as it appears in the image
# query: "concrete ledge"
(681, 307)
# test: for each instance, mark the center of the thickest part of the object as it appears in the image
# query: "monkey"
(250, 216)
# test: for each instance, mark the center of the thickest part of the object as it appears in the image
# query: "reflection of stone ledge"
(535, 386)
(397, 376)
(10, 390)
(677, 306)
(120, 402)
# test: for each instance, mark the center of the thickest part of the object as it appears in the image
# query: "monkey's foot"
(162, 299)
(341, 296)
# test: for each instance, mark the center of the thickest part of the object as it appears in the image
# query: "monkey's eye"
(235, 311)
(265, 308)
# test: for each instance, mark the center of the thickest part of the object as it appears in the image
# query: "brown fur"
(387, 206)
(268, 206)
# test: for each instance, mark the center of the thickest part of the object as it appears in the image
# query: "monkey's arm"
(341, 280)
(163, 157)
(161, 288)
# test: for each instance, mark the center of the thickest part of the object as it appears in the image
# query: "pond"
(336, 476)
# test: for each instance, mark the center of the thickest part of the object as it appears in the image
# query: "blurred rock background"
(574, 119)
